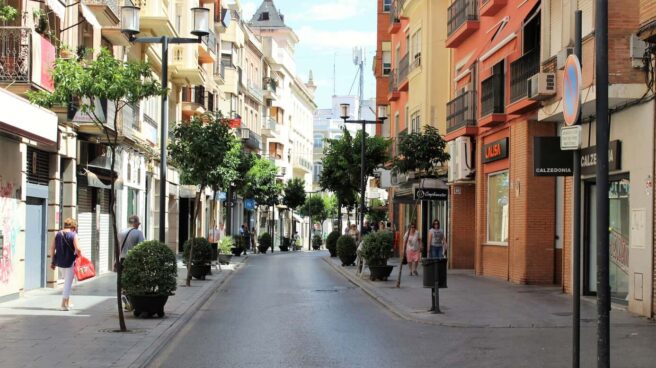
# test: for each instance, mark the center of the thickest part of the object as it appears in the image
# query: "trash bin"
(215, 251)
(434, 270)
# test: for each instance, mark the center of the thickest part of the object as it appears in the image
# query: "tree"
(104, 79)
(314, 208)
(204, 150)
(421, 151)
(294, 196)
(376, 215)
(262, 185)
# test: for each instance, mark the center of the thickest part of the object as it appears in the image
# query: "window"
(318, 141)
(415, 122)
(387, 5)
(497, 208)
(415, 46)
(264, 16)
(387, 62)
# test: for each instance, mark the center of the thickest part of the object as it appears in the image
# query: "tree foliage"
(294, 195)
(420, 151)
(7, 12)
(315, 208)
(83, 84)
(261, 184)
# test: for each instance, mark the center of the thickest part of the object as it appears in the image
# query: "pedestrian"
(354, 233)
(63, 251)
(436, 240)
(128, 239)
(253, 241)
(296, 241)
(381, 226)
(366, 229)
(245, 237)
(412, 246)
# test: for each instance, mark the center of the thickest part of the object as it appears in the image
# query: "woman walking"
(412, 245)
(63, 251)
(436, 241)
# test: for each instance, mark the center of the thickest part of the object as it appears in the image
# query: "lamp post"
(382, 116)
(130, 27)
(311, 227)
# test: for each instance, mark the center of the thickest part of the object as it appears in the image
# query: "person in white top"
(412, 245)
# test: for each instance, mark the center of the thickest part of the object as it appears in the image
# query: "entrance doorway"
(619, 213)
(35, 243)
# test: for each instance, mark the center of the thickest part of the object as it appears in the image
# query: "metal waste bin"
(434, 270)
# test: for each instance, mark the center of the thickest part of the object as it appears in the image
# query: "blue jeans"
(437, 252)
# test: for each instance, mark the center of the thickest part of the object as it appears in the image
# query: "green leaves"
(150, 268)
(7, 12)
(294, 193)
(314, 207)
(261, 183)
(420, 151)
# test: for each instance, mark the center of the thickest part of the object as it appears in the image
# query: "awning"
(187, 191)
(90, 179)
(27, 120)
(298, 218)
(406, 194)
(58, 8)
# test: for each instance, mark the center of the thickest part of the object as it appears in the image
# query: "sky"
(328, 31)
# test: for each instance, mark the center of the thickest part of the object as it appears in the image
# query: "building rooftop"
(267, 16)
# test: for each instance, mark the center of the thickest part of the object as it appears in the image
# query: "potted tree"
(346, 249)
(376, 250)
(237, 246)
(201, 259)
(286, 242)
(264, 242)
(331, 243)
(225, 249)
(316, 241)
(149, 277)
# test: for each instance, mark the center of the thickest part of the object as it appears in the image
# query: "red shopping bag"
(84, 269)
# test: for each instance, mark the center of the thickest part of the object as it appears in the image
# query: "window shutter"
(556, 27)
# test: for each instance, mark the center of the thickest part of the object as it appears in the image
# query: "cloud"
(337, 10)
(248, 8)
(331, 40)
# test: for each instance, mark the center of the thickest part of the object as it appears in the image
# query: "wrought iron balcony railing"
(460, 12)
(492, 95)
(461, 111)
(404, 67)
(520, 71)
(15, 54)
(194, 94)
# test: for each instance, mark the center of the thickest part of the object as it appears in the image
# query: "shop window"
(497, 208)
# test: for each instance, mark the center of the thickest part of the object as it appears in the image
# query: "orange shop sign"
(497, 150)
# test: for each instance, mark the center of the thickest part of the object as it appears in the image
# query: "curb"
(151, 351)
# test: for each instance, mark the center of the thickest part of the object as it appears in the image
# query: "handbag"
(83, 269)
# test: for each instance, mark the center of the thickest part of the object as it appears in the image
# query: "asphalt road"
(292, 310)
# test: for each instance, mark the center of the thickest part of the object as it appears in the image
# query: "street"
(292, 310)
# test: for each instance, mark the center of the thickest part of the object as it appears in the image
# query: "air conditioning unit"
(637, 50)
(542, 86)
(561, 57)
(461, 163)
(245, 133)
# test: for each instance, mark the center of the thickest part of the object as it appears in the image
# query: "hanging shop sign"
(431, 194)
(589, 158)
(495, 151)
(549, 159)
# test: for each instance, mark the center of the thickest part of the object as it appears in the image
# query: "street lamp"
(311, 227)
(130, 27)
(382, 116)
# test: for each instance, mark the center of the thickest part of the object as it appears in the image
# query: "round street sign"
(572, 90)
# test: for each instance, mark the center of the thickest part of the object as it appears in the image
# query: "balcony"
(149, 129)
(270, 127)
(404, 68)
(250, 139)
(395, 16)
(22, 61)
(393, 89)
(155, 18)
(231, 84)
(463, 21)
(492, 101)
(193, 100)
(107, 12)
(207, 49)
(301, 164)
(219, 73)
(416, 62)
(185, 68)
(491, 7)
(270, 87)
(255, 91)
(461, 115)
(520, 71)
(130, 127)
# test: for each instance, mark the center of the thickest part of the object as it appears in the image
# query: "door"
(105, 236)
(35, 243)
(619, 229)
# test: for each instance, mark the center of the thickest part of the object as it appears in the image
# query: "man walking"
(128, 239)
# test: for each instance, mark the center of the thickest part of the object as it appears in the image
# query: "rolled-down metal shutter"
(105, 236)
(85, 221)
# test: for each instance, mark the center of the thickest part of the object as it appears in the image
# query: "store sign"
(431, 194)
(549, 159)
(249, 204)
(495, 151)
(589, 158)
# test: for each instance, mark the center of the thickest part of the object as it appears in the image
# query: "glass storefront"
(497, 208)
(619, 210)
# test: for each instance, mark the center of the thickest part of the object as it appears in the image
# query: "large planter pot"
(236, 251)
(148, 305)
(199, 271)
(262, 248)
(348, 260)
(332, 251)
(284, 248)
(380, 272)
(316, 246)
(225, 259)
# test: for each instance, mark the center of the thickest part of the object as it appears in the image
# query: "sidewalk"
(35, 333)
(480, 302)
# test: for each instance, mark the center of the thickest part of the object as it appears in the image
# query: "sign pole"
(576, 226)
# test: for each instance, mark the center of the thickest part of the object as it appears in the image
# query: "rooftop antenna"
(334, 74)
(358, 59)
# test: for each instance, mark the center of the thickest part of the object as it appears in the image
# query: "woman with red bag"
(63, 251)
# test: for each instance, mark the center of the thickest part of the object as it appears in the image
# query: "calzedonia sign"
(495, 151)
(589, 158)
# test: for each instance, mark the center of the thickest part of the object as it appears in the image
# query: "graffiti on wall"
(9, 228)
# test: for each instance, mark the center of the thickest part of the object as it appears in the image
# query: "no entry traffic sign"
(572, 90)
